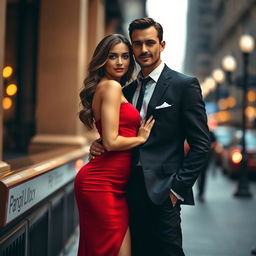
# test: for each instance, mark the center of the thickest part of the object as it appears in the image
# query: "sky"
(171, 14)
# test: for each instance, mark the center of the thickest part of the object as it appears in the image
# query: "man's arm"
(197, 135)
(96, 149)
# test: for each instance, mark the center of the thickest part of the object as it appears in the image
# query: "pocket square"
(164, 105)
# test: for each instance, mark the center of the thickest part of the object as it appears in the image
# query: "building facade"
(198, 47)
(214, 29)
(48, 45)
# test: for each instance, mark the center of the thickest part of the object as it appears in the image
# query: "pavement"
(223, 225)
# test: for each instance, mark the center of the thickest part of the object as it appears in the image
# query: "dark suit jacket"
(162, 156)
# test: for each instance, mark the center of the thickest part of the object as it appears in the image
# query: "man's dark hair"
(146, 23)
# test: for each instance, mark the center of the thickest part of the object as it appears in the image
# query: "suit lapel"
(161, 86)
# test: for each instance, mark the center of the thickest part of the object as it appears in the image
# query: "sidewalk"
(223, 225)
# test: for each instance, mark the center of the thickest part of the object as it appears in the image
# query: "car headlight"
(236, 156)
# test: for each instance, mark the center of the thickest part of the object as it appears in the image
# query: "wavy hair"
(96, 72)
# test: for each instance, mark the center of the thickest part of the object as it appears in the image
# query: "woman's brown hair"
(96, 72)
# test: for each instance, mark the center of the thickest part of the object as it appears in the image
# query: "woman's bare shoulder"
(109, 86)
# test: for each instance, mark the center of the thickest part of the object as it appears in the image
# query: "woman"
(100, 184)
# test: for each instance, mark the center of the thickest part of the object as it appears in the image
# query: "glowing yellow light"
(229, 63)
(7, 71)
(7, 103)
(223, 116)
(218, 75)
(11, 89)
(210, 83)
(251, 96)
(231, 101)
(236, 157)
(250, 112)
(246, 43)
(78, 164)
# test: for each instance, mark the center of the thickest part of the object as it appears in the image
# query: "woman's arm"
(110, 109)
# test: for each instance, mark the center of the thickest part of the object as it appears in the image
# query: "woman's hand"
(145, 128)
(97, 147)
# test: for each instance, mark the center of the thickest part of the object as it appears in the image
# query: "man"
(201, 182)
(162, 178)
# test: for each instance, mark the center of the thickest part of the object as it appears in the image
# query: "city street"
(221, 226)
(188, 64)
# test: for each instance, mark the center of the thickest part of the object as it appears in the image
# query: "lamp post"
(246, 44)
(229, 65)
(210, 83)
(219, 76)
(207, 86)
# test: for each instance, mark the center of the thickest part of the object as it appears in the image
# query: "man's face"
(147, 48)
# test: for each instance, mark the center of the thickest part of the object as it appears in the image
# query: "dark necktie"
(143, 82)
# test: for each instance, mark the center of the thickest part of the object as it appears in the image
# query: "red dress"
(100, 188)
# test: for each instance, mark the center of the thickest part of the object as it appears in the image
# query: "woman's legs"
(125, 249)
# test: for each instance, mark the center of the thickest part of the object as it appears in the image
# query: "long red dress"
(100, 188)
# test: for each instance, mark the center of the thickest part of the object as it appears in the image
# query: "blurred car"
(232, 156)
(223, 135)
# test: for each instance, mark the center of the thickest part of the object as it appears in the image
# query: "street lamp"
(219, 76)
(229, 65)
(207, 86)
(210, 83)
(246, 44)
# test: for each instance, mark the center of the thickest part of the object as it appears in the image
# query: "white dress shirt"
(150, 87)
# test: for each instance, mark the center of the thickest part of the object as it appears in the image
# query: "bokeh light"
(231, 101)
(7, 71)
(7, 103)
(236, 157)
(250, 112)
(251, 96)
(11, 89)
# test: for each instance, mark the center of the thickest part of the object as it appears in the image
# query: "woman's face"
(118, 61)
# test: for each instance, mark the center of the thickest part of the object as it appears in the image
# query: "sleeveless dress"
(100, 188)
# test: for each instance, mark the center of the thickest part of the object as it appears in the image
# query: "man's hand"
(174, 199)
(96, 149)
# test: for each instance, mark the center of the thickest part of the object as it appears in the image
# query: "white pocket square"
(164, 105)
